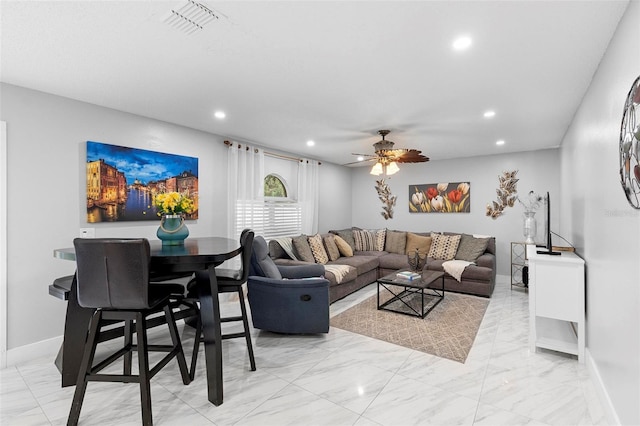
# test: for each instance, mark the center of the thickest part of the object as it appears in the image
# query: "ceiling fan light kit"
(387, 158)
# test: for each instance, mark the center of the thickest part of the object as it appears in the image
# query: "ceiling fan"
(386, 157)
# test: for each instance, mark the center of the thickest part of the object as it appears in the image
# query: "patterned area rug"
(448, 331)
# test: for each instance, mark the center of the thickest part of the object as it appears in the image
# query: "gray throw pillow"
(396, 242)
(303, 249)
(332, 248)
(470, 248)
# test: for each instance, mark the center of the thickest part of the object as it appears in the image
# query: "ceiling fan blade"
(364, 155)
(412, 156)
(360, 162)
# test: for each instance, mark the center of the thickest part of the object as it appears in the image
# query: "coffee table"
(408, 297)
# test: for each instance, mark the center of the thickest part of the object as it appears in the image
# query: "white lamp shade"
(376, 169)
(392, 168)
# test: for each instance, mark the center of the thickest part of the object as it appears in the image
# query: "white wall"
(604, 226)
(46, 137)
(537, 170)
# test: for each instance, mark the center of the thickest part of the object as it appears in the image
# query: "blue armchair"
(284, 299)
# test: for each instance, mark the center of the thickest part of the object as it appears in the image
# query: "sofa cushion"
(361, 263)
(393, 261)
(331, 247)
(470, 248)
(347, 235)
(395, 242)
(261, 263)
(444, 247)
(317, 249)
(414, 241)
(303, 250)
(343, 247)
(471, 272)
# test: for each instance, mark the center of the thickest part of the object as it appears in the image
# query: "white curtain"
(245, 177)
(308, 195)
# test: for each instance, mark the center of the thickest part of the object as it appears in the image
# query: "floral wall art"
(122, 182)
(449, 197)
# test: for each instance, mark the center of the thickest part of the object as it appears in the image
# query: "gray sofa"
(365, 267)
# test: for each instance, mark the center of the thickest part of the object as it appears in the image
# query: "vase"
(172, 230)
(530, 227)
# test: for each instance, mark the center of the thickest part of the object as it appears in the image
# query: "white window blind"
(269, 219)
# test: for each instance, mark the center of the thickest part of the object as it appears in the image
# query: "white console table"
(556, 302)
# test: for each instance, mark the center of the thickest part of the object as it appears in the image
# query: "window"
(274, 217)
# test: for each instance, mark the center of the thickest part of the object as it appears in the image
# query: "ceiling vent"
(190, 17)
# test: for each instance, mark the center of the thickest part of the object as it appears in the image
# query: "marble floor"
(337, 379)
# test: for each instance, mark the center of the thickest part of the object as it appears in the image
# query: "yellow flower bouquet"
(171, 203)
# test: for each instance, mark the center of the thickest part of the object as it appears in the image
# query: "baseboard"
(43, 349)
(601, 390)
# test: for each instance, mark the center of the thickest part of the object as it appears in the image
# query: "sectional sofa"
(354, 258)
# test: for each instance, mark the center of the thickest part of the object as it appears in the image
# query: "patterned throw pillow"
(303, 251)
(317, 248)
(332, 248)
(381, 236)
(444, 247)
(395, 242)
(365, 240)
(343, 247)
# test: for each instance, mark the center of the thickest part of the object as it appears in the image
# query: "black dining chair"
(113, 278)
(231, 281)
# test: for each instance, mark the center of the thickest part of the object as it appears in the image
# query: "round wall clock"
(630, 146)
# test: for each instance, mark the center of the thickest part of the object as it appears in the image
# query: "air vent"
(190, 17)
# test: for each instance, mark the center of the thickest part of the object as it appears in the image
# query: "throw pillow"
(422, 243)
(396, 242)
(347, 236)
(444, 247)
(303, 250)
(365, 240)
(471, 248)
(317, 248)
(381, 236)
(332, 248)
(344, 247)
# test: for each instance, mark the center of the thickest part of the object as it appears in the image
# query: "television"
(548, 244)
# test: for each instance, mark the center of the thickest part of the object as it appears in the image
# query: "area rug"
(448, 331)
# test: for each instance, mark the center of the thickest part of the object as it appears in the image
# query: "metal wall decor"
(507, 194)
(630, 146)
(388, 200)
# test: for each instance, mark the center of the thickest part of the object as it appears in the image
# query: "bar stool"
(113, 278)
(231, 281)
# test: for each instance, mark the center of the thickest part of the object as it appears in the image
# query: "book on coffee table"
(408, 275)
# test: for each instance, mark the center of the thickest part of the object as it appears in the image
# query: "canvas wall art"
(122, 181)
(449, 197)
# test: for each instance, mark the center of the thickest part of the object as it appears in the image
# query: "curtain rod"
(271, 154)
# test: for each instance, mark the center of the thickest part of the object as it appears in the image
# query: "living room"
(46, 133)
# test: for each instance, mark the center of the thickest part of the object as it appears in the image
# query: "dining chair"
(113, 278)
(231, 281)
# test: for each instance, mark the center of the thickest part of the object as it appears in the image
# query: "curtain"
(308, 195)
(245, 177)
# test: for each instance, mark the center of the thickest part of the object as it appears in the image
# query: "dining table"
(196, 254)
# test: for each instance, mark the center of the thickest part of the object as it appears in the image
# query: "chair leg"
(196, 346)
(175, 339)
(247, 332)
(128, 343)
(143, 366)
(85, 368)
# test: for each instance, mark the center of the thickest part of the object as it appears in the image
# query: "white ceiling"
(334, 72)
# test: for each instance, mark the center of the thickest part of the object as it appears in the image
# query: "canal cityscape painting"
(122, 181)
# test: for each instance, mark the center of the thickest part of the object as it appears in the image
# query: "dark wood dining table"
(196, 254)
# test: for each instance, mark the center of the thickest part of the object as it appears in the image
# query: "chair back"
(246, 242)
(112, 273)
(261, 263)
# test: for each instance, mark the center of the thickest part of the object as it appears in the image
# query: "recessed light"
(462, 43)
(361, 158)
(310, 143)
(500, 142)
(489, 114)
(220, 114)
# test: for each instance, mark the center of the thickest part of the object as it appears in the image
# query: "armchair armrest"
(301, 271)
(290, 283)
